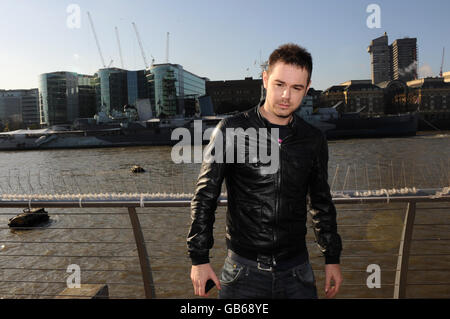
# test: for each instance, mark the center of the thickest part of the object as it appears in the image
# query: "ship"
(162, 131)
(155, 132)
(337, 125)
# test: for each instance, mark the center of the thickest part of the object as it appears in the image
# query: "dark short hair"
(294, 54)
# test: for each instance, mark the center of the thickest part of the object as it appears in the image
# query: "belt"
(268, 263)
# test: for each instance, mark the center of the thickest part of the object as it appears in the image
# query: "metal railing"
(409, 197)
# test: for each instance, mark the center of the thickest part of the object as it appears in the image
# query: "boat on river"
(143, 133)
(162, 131)
(357, 125)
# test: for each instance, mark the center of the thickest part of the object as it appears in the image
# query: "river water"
(100, 241)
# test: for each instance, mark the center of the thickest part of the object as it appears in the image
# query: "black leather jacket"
(267, 212)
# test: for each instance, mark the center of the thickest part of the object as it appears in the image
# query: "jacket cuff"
(332, 260)
(199, 260)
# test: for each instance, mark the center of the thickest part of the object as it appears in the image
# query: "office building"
(111, 89)
(173, 91)
(432, 94)
(234, 95)
(137, 86)
(60, 94)
(10, 109)
(432, 100)
(117, 88)
(86, 96)
(354, 96)
(19, 108)
(362, 96)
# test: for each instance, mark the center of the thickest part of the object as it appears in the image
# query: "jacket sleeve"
(322, 210)
(204, 203)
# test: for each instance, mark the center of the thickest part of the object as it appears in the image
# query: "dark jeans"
(242, 279)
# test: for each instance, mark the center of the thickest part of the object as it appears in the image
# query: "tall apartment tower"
(404, 59)
(380, 59)
(397, 61)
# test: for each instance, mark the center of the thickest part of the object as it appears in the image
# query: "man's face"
(285, 85)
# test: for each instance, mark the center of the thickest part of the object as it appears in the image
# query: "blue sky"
(220, 40)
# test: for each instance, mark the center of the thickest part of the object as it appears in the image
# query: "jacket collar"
(293, 124)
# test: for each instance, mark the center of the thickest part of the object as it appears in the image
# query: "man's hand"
(332, 273)
(200, 275)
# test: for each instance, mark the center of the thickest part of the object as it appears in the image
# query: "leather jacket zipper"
(278, 201)
(277, 205)
(278, 197)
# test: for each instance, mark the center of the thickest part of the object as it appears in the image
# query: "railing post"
(144, 260)
(403, 252)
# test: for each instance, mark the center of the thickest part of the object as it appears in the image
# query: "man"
(266, 216)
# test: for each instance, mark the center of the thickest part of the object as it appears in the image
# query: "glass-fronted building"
(87, 105)
(137, 86)
(64, 96)
(58, 100)
(172, 89)
(111, 89)
(116, 88)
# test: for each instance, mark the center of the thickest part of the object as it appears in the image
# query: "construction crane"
(118, 44)
(262, 64)
(167, 48)
(96, 39)
(140, 45)
(442, 63)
